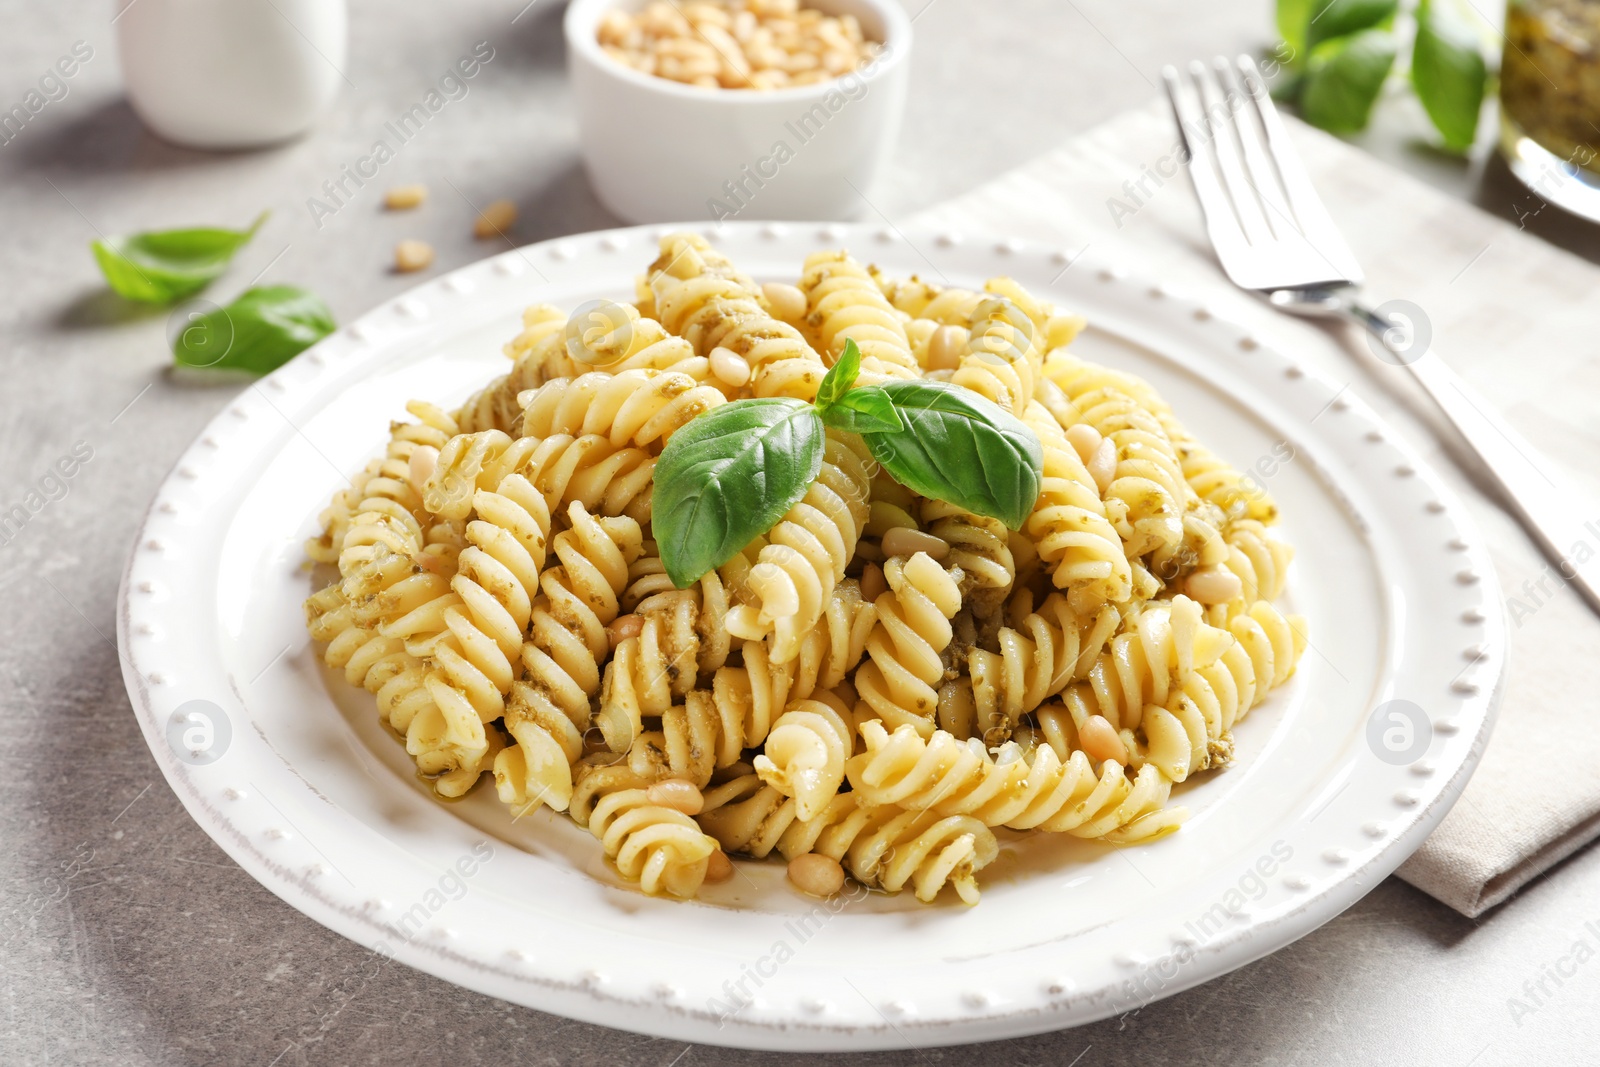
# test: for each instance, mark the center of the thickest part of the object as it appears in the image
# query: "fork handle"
(1547, 508)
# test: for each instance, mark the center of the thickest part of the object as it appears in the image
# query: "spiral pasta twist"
(1148, 485)
(468, 463)
(605, 479)
(470, 637)
(495, 406)
(712, 728)
(696, 292)
(805, 753)
(805, 554)
(381, 665)
(1053, 329)
(1002, 360)
(1213, 479)
(1069, 527)
(1036, 660)
(1158, 648)
(660, 848)
(940, 775)
(386, 514)
(694, 615)
(496, 580)
(1217, 481)
(548, 710)
(904, 665)
(917, 299)
(883, 846)
(980, 547)
(1260, 561)
(648, 669)
(832, 649)
(843, 302)
(639, 407)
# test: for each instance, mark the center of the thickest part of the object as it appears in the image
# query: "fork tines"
(1264, 217)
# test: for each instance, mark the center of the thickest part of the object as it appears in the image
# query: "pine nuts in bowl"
(736, 44)
(737, 108)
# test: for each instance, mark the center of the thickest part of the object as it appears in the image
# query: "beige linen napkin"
(1514, 315)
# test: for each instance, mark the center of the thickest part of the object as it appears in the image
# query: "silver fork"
(1273, 236)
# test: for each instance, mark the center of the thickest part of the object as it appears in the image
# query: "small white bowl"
(657, 150)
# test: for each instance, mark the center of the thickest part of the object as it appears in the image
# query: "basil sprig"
(732, 473)
(259, 332)
(167, 265)
(1339, 54)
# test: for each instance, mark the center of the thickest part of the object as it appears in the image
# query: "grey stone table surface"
(129, 938)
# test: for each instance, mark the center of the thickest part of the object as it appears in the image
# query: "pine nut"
(873, 583)
(424, 458)
(816, 874)
(677, 794)
(946, 346)
(405, 197)
(786, 301)
(412, 255)
(1103, 464)
(729, 366)
(719, 868)
(1100, 741)
(904, 541)
(495, 220)
(1213, 585)
(1084, 440)
(622, 628)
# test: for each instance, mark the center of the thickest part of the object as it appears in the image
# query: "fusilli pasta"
(872, 686)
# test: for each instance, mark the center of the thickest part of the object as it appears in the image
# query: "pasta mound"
(880, 679)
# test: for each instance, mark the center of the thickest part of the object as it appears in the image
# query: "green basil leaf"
(728, 477)
(259, 332)
(840, 377)
(866, 410)
(1450, 75)
(1341, 18)
(1344, 79)
(1292, 18)
(168, 265)
(962, 449)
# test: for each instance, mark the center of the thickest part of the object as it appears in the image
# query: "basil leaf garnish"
(840, 377)
(960, 448)
(259, 332)
(855, 410)
(1340, 18)
(728, 477)
(864, 411)
(168, 265)
(1449, 75)
(1344, 79)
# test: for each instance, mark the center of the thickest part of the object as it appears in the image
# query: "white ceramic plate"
(316, 801)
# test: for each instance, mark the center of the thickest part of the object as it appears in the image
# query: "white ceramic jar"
(231, 73)
(657, 150)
